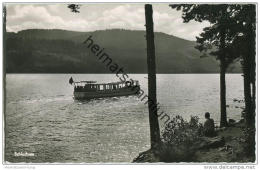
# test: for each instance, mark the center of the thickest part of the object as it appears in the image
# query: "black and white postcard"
(132, 83)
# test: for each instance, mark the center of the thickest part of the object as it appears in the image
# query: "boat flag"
(71, 80)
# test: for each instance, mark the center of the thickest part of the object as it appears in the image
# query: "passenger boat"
(84, 90)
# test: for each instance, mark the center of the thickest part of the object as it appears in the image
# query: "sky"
(99, 17)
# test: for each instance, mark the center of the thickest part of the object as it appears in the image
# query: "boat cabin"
(92, 86)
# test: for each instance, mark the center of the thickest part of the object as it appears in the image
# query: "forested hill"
(61, 51)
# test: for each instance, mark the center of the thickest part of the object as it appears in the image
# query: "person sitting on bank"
(209, 126)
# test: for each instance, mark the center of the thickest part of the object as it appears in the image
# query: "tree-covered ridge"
(61, 51)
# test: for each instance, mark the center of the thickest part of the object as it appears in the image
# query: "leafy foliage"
(223, 28)
(232, 33)
(74, 8)
(235, 22)
(249, 136)
(179, 131)
(179, 139)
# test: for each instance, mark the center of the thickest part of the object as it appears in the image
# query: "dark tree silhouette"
(153, 117)
(74, 8)
(245, 45)
(218, 35)
(245, 42)
(233, 26)
(233, 32)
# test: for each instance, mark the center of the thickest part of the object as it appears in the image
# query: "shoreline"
(230, 151)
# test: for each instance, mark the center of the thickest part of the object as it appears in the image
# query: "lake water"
(42, 117)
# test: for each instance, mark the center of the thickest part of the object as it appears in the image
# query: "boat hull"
(105, 93)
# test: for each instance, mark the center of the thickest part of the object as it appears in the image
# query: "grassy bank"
(232, 150)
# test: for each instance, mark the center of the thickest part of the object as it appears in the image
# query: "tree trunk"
(223, 114)
(252, 52)
(253, 100)
(153, 117)
(247, 92)
(248, 70)
(253, 86)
